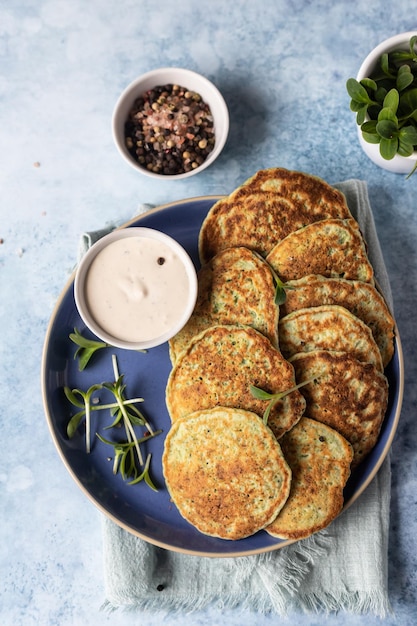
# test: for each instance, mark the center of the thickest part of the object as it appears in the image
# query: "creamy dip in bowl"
(135, 288)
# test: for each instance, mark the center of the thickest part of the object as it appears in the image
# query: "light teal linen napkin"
(343, 567)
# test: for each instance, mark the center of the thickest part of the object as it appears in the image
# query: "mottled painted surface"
(282, 68)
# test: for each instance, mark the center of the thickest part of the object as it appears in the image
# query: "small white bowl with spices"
(170, 123)
(135, 288)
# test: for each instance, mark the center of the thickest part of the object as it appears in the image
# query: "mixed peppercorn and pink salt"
(170, 130)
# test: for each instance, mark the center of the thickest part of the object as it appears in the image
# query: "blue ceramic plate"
(138, 509)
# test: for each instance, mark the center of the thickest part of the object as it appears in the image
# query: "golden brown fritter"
(332, 247)
(319, 458)
(219, 366)
(235, 287)
(347, 395)
(225, 472)
(266, 208)
(361, 299)
(328, 327)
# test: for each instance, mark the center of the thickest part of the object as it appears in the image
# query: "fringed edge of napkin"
(272, 593)
(358, 603)
(297, 560)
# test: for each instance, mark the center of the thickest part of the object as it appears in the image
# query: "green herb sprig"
(261, 394)
(280, 290)
(124, 460)
(128, 458)
(129, 418)
(84, 403)
(280, 287)
(86, 348)
(389, 99)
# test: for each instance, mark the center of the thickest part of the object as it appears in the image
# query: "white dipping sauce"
(137, 289)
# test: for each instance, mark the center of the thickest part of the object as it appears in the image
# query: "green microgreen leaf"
(145, 476)
(86, 348)
(124, 460)
(357, 91)
(371, 137)
(399, 56)
(369, 84)
(405, 78)
(361, 115)
(119, 462)
(388, 148)
(385, 66)
(357, 107)
(369, 127)
(75, 397)
(280, 287)
(380, 94)
(412, 44)
(405, 149)
(273, 398)
(369, 132)
(387, 129)
(74, 423)
(117, 388)
(280, 293)
(127, 454)
(408, 109)
(391, 102)
(408, 134)
(85, 402)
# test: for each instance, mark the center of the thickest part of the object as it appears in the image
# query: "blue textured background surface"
(282, 68)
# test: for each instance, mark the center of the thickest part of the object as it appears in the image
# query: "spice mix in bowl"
(170, 122)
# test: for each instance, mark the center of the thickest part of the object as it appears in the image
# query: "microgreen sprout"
(280, 287)
(261, 394)
(86, 348)
(124, 460)
(117, 388)
(145, 475)
(127, 454)
(85, 406)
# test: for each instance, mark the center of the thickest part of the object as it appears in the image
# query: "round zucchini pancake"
(328, 327)
(361, 299)
(219, 366)
(347, 395)
(225, 472)
(331, 247)
(319, 458)
(235, 287)
(265, 209)
(314, 193)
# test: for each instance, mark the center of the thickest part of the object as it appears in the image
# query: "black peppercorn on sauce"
(170, 130)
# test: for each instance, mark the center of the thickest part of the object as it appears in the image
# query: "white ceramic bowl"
(399, 164)
(116, 300)
(176, 76)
